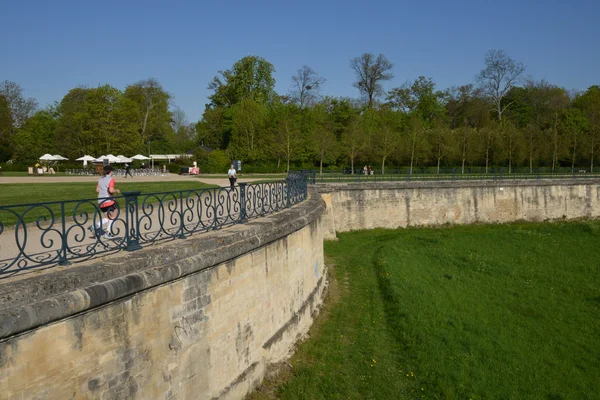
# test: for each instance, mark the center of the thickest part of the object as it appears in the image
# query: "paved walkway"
(41, 241)
(220, 179)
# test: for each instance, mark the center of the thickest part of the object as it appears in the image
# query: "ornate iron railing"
(59, 233)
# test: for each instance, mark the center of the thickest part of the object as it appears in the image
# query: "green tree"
(36, 136)
(153, 117)
(251, 78)
(416, 140)
(573, 125)
(5, 129)
(353, 141)
(73, 131)
(323, 136)
(214, 129)
(441, 142)
(511, 140)
(371, 72)
(250, 138)
(286, 132)
(386, 139)
(465, 137)
(419, 97)
(589, 104)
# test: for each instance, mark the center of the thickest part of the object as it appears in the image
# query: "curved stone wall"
(194, 319)
(357, 206)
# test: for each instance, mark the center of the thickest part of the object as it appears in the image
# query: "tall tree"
(306, 87)
(213, 130)
(589, 104)
(6, 129)
(323, 135)
(353, 141)
(250, 137)
(465, 138)
(371, 72)
(36, 136)
(286, 132)
(21, 108)
(153, 109)
(250, 78)
(418, 97)
(387, 135)
(500, 74)
(573, 125)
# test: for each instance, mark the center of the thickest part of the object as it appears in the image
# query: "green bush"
(173, 168)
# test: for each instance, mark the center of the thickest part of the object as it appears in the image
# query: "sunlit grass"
(471, 312)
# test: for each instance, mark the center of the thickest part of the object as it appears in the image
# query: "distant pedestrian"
(106, 202)
(1, 173)
(232, 174)
(369, 170)
(128, 170)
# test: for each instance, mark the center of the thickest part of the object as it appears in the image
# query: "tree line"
(501, 119)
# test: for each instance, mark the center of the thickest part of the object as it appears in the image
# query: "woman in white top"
(232, 176)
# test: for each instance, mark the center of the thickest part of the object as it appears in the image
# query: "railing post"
(131, 221)
(63, 250)
(288, 189)
(243, 215)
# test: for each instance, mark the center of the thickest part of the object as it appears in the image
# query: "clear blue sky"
(50, 47)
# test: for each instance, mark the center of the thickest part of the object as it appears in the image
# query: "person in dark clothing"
(128, 170)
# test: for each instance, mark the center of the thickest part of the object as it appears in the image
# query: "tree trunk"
(321, 166)
(593, 151)
(383, 166)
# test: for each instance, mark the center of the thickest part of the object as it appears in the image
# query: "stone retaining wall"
(355, 206)
(198, 318)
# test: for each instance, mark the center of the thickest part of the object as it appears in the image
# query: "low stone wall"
(355, 206)
(199, 318)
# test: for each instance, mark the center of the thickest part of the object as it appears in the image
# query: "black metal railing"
(58, 233)
(455, 174)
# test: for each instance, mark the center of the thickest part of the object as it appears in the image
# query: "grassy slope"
(494, 312)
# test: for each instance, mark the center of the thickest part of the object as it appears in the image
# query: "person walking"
(106, 202)
(128, 170)
(232, 174)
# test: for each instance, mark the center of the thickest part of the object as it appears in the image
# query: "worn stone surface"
(399, 204)
(196, 319)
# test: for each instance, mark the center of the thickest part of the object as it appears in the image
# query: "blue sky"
(50, 47)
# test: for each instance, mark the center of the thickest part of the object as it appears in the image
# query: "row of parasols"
(87, 158)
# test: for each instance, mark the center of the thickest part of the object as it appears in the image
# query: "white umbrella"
(140, 157)
(58, 157)
(86, 158)
(48, 157)
(124, 159)
(113, 158)
(110, 157)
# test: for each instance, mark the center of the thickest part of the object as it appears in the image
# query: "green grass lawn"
(22, 193)
(469, 312)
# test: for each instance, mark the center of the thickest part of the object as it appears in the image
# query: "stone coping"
(28, 303)
(390, 185)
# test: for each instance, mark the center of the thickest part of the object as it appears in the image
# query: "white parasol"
(140, 157)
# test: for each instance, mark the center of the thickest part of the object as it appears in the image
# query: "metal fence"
(58, 233)
(424, 174)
